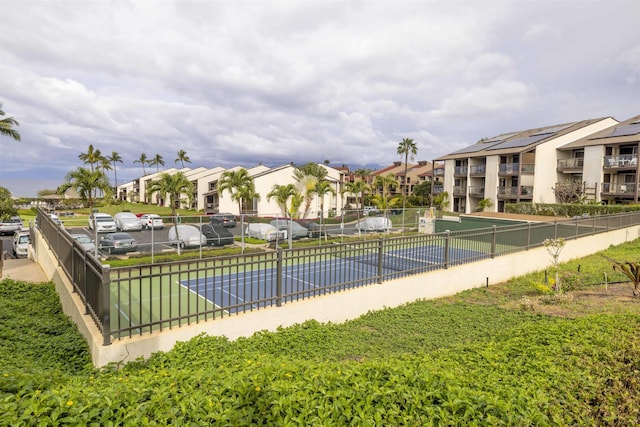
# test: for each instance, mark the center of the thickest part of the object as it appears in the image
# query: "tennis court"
(231, 292)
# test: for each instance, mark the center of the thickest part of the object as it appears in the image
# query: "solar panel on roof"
(547, 131)
(631, 129)
(476, 147)
(519, 142)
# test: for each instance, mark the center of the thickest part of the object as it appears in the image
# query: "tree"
(240, 186)
(282, 194)
(307, 176)
(182, 157)
(143, 160)
(7, 124)
(7, 209)
(92, 157)
(115, 158)
(86, 182)
(358, 188)
(422, 193)
(157, 161)
(175, 186)
(322, 189)
(570, 191)
(406, 147)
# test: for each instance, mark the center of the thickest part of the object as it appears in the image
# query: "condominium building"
(513, 167)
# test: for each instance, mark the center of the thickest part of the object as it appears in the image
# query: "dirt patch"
(613, 298)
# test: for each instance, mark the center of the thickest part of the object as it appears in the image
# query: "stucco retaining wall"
(334, 308)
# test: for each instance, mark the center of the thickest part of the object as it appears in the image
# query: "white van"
(20, 244)
(102, 222)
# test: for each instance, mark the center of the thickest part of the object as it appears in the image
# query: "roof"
(517, 142)
(624, 132)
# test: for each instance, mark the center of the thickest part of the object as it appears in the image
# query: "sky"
(242, 83)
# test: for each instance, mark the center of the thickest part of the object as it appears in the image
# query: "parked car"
(187, 236)
(103, 223)
(85, 241)
(127, 221)
(120, 242)
(55, 218)
(226, 219)
(151, 221)
(9, 226)
(314, 229)
(287, 226)
(263, 231)
(217, 235)
(20, 244)
(371, 210)
(374, 223)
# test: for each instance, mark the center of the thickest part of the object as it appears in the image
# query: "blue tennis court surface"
(251, 289)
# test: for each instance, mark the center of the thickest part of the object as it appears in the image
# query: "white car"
(102, 222)
(187, 236)
(374, 223)
(20, 244)
(151, 221)
(126, 221)
(264, 232)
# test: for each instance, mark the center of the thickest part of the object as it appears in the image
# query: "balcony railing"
(476, 191)
(477, 170)
(624, 161)
(438, 172)
(528, 168)
(564, 164)
(460, 190)
(619, 189)
(437, 189)
(514, 192)
(460, 170)
(508, 168)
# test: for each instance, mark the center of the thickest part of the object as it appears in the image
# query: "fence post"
(555, 229)
(447, 236)
(493, 241)
(528, 235)
(279, 277)
(105, 305)
(380, 259)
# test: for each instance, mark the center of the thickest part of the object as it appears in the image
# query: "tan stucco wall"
(335, 308)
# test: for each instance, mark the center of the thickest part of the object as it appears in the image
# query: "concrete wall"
(334, 308)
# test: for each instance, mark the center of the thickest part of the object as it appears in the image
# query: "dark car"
(118, 243)
(217, 235)
(225, 219)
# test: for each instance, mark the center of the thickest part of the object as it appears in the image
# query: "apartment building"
(607, 161)
(510, 168)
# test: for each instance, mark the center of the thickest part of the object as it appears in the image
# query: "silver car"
(85, 241)
(126, 221)
(10, 225)
(187, 236)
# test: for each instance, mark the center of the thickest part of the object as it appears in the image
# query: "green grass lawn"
(482, 357)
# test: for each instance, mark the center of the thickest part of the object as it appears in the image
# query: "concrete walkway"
(23, 270)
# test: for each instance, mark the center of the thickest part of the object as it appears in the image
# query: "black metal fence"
(128, 301)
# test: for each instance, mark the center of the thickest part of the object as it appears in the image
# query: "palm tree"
(175, 186)
(142, 160)
(92, 157)
(240, 186)
(7, 124)
(182, 157)
(114, 158)
(406, 147)
(322, 189)
(385, 182)
(307, 176)
(157, 161)
(358, 188)
(85, 182)
(282, 194)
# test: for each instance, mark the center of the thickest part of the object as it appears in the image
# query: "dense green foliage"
(464, 360)
(568, 210)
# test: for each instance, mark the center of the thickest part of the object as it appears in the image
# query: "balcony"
(460, 190)
(565, 165)
(476, 191)
(460, 171)
(528, 168)
(437, 189)
(508, 169)
(627, 161)
(625, 190)
(477, 170)
(513, 192)
(438, 171)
